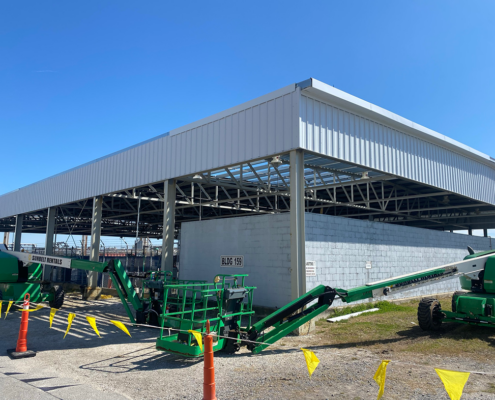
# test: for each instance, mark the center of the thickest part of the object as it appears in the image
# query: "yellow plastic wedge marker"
(198, 337)
(92, 322)
(52, 314)
(380, 376)
(38, 307)
(8, 308)
(311, 360)
(70, 318)
(121, 326)
(453, 381)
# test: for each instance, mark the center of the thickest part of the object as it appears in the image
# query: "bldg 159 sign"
(232, 261)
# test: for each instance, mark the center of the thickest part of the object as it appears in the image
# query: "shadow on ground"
(43, 338)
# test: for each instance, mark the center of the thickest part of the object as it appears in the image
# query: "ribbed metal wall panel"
(331, 131)
(259, 130)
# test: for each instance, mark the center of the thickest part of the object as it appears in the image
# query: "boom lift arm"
(469, 268)
(114, 268)
(290, 317)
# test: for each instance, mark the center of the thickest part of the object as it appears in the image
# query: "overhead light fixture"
(276, 161)
(364, 175)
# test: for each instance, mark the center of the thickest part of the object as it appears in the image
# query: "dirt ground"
(118, 366)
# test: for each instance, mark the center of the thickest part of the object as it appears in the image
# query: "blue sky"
(80, 80)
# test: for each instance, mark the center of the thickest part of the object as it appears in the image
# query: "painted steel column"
(168, 225)
(470, 232)
(297, 235)
(95, 239)
(6, 237)
(18, 232)
(50, 232)
(485, 232)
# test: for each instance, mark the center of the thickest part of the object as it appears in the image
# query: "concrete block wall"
(339, 246)
(263, 240)
(342, 246)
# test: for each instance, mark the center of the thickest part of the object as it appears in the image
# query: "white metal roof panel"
(339, 125)
(261, 127)
(310, 115)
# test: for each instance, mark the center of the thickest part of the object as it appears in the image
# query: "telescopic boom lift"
(228, 302)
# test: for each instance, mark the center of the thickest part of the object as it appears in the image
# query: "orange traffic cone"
(21, 350)
(209, 368)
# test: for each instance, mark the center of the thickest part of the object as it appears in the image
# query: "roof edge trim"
(248, 104)
(91, 162)
(382, 115)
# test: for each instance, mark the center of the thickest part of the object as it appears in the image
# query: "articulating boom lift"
(228, 303)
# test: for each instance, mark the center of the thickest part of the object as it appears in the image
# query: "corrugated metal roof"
(309, 115)
(339, 125)
(346, 101)
(258, 128)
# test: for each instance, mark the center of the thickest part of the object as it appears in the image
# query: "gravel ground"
(132, 368)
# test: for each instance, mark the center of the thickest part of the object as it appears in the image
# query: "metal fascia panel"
(365, 108)
(259, 100)
(336, 132)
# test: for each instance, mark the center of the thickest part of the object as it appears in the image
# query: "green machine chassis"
(18, 279)
(228, 305)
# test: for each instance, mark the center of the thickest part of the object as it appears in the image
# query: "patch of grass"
(491, 388)
(395, 328)
(384, 306)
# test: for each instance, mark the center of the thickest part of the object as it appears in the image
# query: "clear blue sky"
(80, 80)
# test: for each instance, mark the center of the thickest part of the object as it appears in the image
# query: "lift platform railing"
(224, 303)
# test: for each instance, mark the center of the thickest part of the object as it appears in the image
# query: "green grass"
(395, 328)
(384, 306)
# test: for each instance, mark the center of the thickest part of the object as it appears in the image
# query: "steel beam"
(168, 225)
(18, 232)
(297, 238)
(50, 232)
(95, 239)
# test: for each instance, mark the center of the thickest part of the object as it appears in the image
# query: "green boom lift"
(18, 278)
(228, 302)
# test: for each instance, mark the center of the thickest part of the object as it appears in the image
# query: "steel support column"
(95, 239)
(297, 237)
(50, 232)
(18, 232)
(6, 238)
(485, 232)
(168, 225)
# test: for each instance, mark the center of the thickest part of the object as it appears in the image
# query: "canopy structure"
(307, 147)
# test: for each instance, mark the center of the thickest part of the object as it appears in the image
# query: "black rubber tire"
(58, 297)
(454, 308)
(429, 318)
